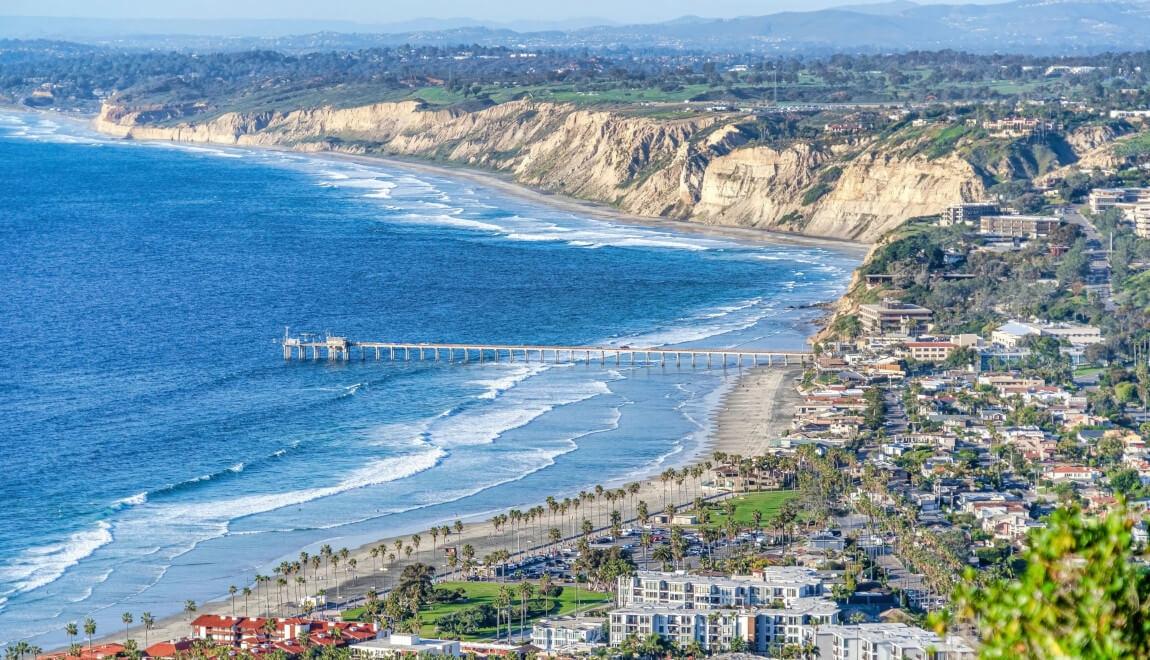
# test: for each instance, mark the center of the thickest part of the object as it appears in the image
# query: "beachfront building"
(258, 632)
(775, 584)
(762, 629)
(397, 645)
(1018, 226)
(568, 634)
(891, 317)
(888, 641)
(968, 213)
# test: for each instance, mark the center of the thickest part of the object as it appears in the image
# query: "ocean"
(155, 447)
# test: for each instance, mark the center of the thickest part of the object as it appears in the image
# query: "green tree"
(1082, 595)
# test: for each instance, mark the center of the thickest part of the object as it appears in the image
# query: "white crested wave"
(496, 386)
(509, 413)
(42, 565)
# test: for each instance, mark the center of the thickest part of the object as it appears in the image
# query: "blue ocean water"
(156, 447)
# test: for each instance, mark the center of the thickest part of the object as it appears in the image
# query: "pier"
(344, 349)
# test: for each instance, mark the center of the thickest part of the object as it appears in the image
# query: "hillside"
(707, 168)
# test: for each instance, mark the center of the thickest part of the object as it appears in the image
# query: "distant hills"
(1030, 26)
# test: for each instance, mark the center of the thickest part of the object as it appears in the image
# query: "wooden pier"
(343, 349)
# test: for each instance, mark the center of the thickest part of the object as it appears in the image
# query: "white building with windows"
(888, 641)
(575, 635)
(773, 585)
(757, 630)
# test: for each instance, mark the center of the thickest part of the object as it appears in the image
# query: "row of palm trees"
(72, 630)
(544, 525)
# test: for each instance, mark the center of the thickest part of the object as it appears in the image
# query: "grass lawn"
(767, 501)
(487, 592)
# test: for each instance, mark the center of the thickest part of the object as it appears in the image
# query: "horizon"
(367, 14)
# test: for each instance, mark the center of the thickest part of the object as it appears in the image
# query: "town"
(987, 367)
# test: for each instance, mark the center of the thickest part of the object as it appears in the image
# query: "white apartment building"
(763, 630)
(888, 641)
(567, 633)
(775, 584)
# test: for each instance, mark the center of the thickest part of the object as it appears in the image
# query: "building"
(775, 584)
(930, 351)
(762, 629)
(1102, 199)
(891, 317)
(1140, 215)
(575, 634)
(1013, 334)
(888, 641)
(1018, 226)
(968, 213)
(400, 645)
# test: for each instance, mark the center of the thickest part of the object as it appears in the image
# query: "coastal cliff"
(707, 168)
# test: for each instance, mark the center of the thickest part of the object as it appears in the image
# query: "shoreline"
(749, 409)
(505, 183)
(755, 406)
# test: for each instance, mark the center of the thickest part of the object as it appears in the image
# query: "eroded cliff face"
(705, 168)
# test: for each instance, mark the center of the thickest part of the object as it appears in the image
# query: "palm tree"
(126, 617)
(189, 608)
(247, 592)
(89, 630)
(149, 622)
(525, 592)
(71, 630)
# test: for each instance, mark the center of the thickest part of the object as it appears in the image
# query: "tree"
(149, 622)
(1082, 594)
(415, 582)
(189, 608)
(1125, 481)
(126, 618)
(89, 630)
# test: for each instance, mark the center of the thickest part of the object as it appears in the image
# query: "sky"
(390, 11)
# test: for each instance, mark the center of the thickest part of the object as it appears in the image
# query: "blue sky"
(388, 11)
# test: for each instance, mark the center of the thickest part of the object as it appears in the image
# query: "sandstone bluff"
(705, 168)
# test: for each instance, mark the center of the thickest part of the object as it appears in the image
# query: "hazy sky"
(386, 11)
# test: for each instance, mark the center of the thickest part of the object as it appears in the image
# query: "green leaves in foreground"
(1081, 596)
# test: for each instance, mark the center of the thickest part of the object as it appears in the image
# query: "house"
(1071, 473)
(397, 645)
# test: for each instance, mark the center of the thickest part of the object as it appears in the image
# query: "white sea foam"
(42, 565)
(502, 383)
(134, 500)
(509, 413)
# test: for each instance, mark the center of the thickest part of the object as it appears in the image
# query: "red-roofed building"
(95, 653)
(168, 649)
(219, 629)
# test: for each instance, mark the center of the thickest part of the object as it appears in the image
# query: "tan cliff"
(704, 168)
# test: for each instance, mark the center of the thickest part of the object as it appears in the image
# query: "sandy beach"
(505, 184)
(757, 406)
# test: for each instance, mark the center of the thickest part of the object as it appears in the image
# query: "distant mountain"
(1031, 26)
